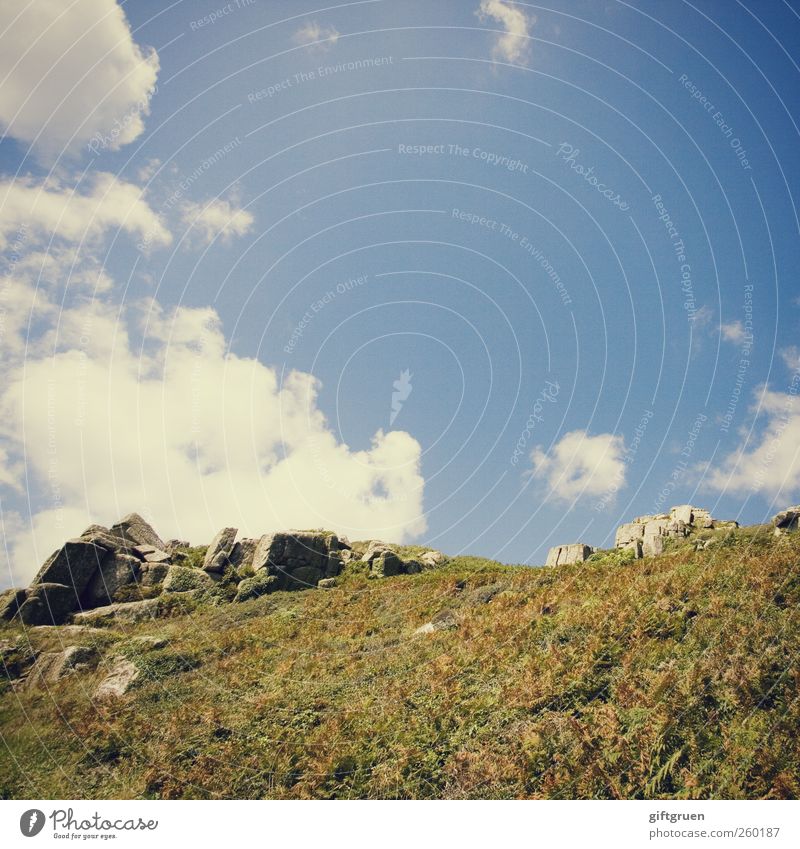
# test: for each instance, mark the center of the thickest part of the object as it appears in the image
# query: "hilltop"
(669, 676)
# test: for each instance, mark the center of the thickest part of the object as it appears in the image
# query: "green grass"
(670, 677)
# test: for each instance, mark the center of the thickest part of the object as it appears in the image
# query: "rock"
(375, 549)
(47, 604)
(152, 555)
(103, 537)
(149, 643)
(288, 550)
(133, 530)
(122, 675)
(327, 583)
(787, 520)
(652, 546)
(412, 567)
(219, 551)
(628, 533)
(151, 574)
(647, 535)
(443, 621)
(432, 559)
(10, 602)
(53, 666)
(118, 570)
(386, 565)
(73, 565)
(576, 552)
(260, 584)
(241, 556)
(133, 611)
(485, 594)
(302, 578)
(16, 656)
(172, 545)
(182, 579)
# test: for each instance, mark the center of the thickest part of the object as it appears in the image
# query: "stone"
(628, 533)
(327, 583)
(647, 535)
(386, 565)
(53, 666)
(149, 643)
(562, 555)
(16, 656)
(118, 570)
(122, 675)
(151, 574)
(787, 520)
(47, 604)
(10, 602)
(241, 556)
(219, 551)
(652, 546)
(375, 549)
(152, 555)
(485, 594)
(173, 544)
(302, 578)
(182, 579)
(286, 550)
(73, 565)
(432, 559)
(260, 584)
(132, 611)
(133, 530)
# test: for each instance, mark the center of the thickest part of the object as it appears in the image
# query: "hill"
(672, 676)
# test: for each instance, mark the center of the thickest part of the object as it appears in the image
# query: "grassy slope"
(669, 677)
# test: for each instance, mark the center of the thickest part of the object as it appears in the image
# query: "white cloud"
(76, 213)
(581, 465)
(767, 462)
(218, 217)
(314, 34)
(192, 436)
(513, 45)
(72, 73)
(734, 332)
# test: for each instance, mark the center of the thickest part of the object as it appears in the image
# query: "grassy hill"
(670, 677)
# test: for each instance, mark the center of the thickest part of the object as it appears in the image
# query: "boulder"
(53, 666)
(302, 578)
(562, 555)
(182, 579)
(118, 570)
(260, 584)
(73, 565)
(122, 675)
(150, 554)
(241, 556)
(286, 550)
(386, 564)
(787, 520)
(133, 530)
(628, 533)
(485, 594)
(132, 611)
(431, 559)
(375, 549)
(219, 551)
(151, 574)
(10, 603)
(647, 535)
(327, 583)
(47, 604)
(172, 545)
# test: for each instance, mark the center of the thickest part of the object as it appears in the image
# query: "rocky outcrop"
(241, 556)
(133, 611)
(299, 559)
(116, 571)
(562, 555)
(133, 530)
(47, 604)
(647, 535)
(786, 521)
(219, 552)
(73, 565)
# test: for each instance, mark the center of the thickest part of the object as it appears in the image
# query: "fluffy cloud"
(734, 332)
(196, 438)
(581, 465)
(218, 217)
(83, 213)
(769, 462)
(316, 35)
(513, 45)
(72, 73)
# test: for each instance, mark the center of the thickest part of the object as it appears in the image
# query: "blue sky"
(573, 226)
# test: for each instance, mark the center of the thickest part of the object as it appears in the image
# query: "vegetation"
(669, 677)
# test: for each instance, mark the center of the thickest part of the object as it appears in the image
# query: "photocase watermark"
(719, 119)
(218, 14)
(745, 352)
(628, 457)
(65, 824)
(679, 251)
(402, 390)
(318, 305)
(569, 155)
(522, 241)
(185, 184)
(321, 72)
(102, 141)
(548, 395)
(683, 464)
(488, 157)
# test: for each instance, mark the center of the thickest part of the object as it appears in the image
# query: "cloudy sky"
(485, 275)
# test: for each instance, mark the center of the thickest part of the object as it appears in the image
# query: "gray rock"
(182, 579)
(117, 571)
(386, 565)
(287, 550)
(241, 556)
(151, 574)
(173, 544)
(152, 555)
(432, 559)
(73, 565)
(122, 675)
(10, 602)
(562, 555)
(301, 578)
(133, 611)
(219, 551)
(260, 584)
(47, 604)
(327, 583)
(53, 666)
(485, 594)
(135, 531)
(787, 520)
(375, 549)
